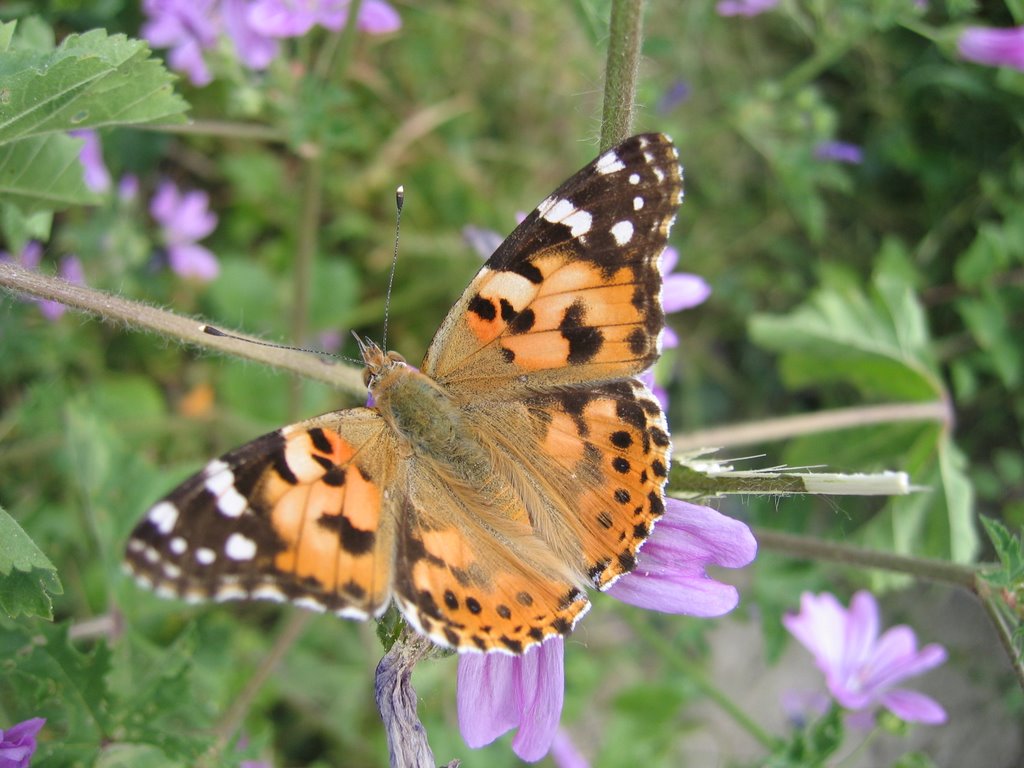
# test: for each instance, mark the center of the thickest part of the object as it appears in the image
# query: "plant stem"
(135, 315)
(847, 554)
(696, 676)
(221, 128)
(1004, 634)
(625, 35)
(235, 715)
(767, 430)
(302, 276)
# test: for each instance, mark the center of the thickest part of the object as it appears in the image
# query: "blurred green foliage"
(897, 279)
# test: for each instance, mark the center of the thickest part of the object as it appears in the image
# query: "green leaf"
(43, 174)
(27, 577)
(6, 34)
(879, 343)
(90, 80)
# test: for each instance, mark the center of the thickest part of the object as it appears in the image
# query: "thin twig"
(138, 316)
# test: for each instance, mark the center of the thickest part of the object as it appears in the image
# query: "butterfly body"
(485, 492)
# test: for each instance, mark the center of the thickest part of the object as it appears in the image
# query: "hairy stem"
(138, 316)
(625, 36)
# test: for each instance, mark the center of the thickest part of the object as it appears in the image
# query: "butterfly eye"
(367, 376)
(396, 357)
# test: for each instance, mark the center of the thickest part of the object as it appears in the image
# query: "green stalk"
(625, 36)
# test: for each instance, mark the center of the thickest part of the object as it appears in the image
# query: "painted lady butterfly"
(484, 493)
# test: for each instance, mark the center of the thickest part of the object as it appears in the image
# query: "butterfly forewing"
(573, 294)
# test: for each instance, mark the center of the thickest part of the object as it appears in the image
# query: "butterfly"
(523, 462)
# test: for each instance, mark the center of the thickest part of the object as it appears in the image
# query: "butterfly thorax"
(425, 415)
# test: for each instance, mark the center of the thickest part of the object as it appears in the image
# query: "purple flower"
(564, 752)
(185, 218)
(188, 28)
(497, 692)
(680, 290)
(744, 7)
(862, 669)
(676, 94)
(994, 47)
(294, 18)
(18, 743)
(839, 151)
(255, 49)
(96, 175)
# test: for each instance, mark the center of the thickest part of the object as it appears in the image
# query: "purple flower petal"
(914, 707)
(193, 219)
(993, 47)
(497, 692)
(96, 175)
(683, 291)
(255, 50)
(187, 27)
(744, 7)
(669, 340)
(378, 18)
(840, 152)
(18, 743)
(193, 261)
(564, 753)
(671, 572)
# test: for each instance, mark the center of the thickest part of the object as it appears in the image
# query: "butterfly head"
(377, 363)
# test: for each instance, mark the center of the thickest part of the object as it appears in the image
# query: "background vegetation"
(893, 280)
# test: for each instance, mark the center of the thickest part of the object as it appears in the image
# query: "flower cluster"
(185, 219)
(192, 28)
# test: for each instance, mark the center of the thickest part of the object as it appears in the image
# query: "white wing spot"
(634, 178)
(578, 223)
(638, 203)
(205, 556)
(269, 592)
(556, 210)
(545, 206)
(135, 545)
(178, 545)
(231, 503)
(609, 163)
(238, 547)
(658, 173)
(622, 232)
(230, 592)
(171, 570)
(165, 591)
(310, 603)
(163, 515)
(151, 555)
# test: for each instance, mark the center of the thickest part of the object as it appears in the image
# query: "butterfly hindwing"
(573, 294)
(298, 514)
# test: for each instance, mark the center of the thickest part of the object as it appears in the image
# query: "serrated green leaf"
(90, 80)
(43, 174)
(879, 343)
(27, 577)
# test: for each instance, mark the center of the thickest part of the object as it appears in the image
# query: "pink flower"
(184, 219)
(255, 50)
(70, 269)
(18, 743)
(840, 152)
(498, 692)
(994, 47)
(862, 669)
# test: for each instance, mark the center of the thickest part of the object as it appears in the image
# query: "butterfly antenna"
(399, 202)
(214, 331)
